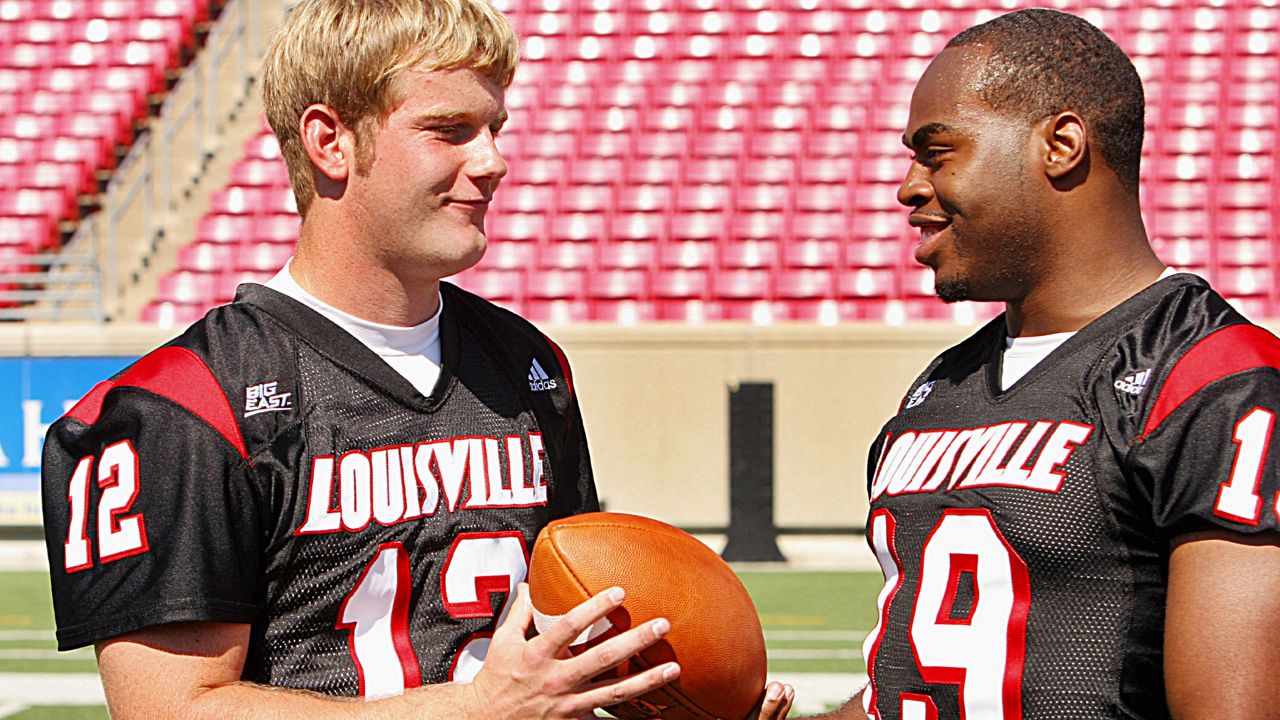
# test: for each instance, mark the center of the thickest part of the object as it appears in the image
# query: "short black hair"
(1043, 62)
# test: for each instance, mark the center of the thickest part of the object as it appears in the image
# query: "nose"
(916, 189)
(486, 164)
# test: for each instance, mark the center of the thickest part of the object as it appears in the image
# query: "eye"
(930, 156)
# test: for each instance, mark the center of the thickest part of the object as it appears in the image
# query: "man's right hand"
(525, 678)
(192, 670)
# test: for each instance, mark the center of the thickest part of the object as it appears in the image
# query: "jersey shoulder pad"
(1224, 352)
(180, 376)
(527, 348)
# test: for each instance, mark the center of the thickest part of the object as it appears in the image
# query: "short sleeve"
(1211, 460)
(151, 517)
(575, 490)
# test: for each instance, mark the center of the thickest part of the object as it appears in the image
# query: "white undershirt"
(1023, 353)
(414, 352)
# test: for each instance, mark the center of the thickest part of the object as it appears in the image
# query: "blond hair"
(347, 53)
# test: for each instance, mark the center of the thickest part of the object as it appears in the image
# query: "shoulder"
(201, 371)
(490, 317)
(1220, 352)
(526, 347)
(1186, 341)
(965, 357)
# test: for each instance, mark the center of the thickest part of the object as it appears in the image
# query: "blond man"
(331, 485)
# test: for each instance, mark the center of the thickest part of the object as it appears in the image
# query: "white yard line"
(799, 654)
(45, 654)
(24, 635)
(785, 635)
(815, 692)
(50, 689)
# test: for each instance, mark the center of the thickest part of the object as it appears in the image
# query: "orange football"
(715, 632)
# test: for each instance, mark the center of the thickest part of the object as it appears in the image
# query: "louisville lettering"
(1012, 454)
(399, 483)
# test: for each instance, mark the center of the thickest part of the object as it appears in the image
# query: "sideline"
(28, 689)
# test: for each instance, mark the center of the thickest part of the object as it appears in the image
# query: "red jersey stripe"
(178, 375)
(1228, 351)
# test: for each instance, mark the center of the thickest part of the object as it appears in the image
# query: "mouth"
(931, 227)
(475, 204)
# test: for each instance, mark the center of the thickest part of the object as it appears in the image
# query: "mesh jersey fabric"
(1025, 534)
(284, 476)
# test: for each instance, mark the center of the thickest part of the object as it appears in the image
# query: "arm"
(192, 670)
(1222, 628)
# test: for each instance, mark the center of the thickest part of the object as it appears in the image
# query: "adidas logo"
(1134, 384)
(539, 380)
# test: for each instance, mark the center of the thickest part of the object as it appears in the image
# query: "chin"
(950, 290)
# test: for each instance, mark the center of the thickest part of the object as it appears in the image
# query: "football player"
(1076, 508)
(328, 489)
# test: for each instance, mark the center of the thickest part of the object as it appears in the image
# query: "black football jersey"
(267, 468)
(1025, 534)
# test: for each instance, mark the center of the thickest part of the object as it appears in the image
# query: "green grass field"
(813, 621)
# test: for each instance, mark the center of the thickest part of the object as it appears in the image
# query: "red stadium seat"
(509, 255)
(263, 257)
(628, 255)
(205, 257)
(493, 284)
(805, 284)
(171, 314)
(224, 229)
(556, 284)
(568, 256)
(696, 161)
(617, 284)
(624, 311)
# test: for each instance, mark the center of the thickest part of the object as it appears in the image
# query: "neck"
(338, 274)
(1100, 262)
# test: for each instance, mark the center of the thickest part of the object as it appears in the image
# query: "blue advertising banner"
(36, 392)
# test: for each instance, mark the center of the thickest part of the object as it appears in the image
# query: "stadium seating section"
(700, 160)
(75, 77)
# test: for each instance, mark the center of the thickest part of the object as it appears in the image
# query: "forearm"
(249, 701)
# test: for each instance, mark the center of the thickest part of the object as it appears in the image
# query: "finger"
(612, 692)
(770, 702)
(615, 650)
(519, 616)
(567, 629)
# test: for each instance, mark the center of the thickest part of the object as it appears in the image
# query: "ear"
(329, 142)
(1065, 143)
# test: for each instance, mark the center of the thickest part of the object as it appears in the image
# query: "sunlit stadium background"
(702, 193)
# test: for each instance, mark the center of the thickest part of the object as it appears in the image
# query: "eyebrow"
(924, 132)
(439, 114)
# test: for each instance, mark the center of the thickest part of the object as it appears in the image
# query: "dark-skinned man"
(1076, 508)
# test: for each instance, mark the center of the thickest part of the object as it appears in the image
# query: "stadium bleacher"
(76, 77)
(699, 160)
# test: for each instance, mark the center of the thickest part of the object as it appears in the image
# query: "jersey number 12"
(376, 612)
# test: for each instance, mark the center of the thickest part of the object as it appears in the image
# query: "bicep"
(1222, 628)
(159, 670)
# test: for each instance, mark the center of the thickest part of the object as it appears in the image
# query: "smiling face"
(973, 185)
(427, 172)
